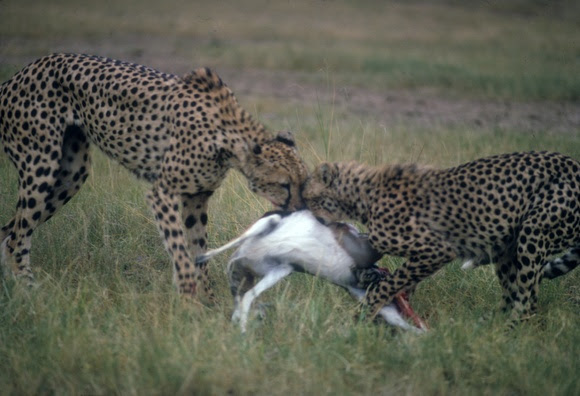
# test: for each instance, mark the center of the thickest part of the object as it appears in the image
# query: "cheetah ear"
(204, 79)
(326, 173)
(286, 137)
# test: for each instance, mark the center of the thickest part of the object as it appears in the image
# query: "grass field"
(436, 82)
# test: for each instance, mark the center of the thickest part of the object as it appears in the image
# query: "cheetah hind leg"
(524, 289)
(506, 271)
(60, 181)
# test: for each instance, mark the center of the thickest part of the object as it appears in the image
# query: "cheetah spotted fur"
(513, 210)
(180, 134)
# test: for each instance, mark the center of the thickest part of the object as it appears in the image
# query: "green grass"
(105, 318)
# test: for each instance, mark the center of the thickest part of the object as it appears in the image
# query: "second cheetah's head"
(319, 193)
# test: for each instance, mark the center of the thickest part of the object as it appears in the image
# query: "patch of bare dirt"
(417, 107)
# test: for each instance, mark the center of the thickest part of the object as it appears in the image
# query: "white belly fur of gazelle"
(275, 246)
(306, 243)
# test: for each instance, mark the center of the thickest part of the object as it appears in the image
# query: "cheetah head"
(276, 172)
(319, 193)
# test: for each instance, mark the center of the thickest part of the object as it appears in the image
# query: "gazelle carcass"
(284, 242)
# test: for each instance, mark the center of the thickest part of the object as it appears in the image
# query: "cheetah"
(513, 210)
(181, 134)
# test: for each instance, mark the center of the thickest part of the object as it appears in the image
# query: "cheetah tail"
(562, 265)
(260, 228)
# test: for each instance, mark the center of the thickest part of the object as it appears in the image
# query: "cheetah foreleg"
(194, 216)
(404, 279)
(166, 210)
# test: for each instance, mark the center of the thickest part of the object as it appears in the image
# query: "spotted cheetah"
(514, 210)
(180, 134)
